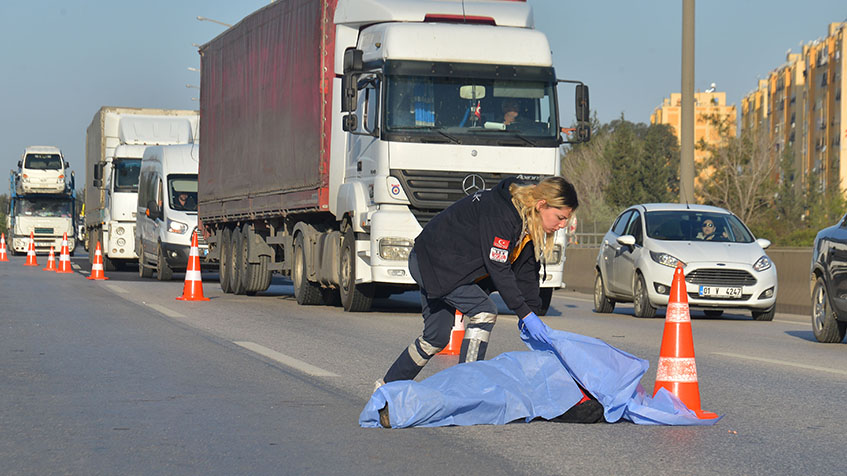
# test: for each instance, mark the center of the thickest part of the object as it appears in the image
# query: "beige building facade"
(706, 104)
(800, 107)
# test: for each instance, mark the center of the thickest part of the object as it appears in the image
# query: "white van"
(42, 169)
(167, 209)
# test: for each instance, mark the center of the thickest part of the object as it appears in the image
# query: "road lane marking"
(285, 359)
(117, 289)
(164, 310)
(782, 362)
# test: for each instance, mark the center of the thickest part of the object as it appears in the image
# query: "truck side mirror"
(583, 132)
(350, 123)
(353, 60)
(582, 110)
(353, 66)
(98, 175)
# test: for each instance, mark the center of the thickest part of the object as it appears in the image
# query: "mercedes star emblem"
(473, 183)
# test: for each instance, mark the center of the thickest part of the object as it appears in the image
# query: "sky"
(61, 60)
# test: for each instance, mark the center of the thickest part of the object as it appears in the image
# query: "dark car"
(829, 283)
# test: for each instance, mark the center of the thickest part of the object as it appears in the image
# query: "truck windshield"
(126, 174)
(471, 110)
(43, 161)
(43, 207)
(182, 190)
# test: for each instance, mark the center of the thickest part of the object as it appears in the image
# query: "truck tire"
(306, 292)
(236, 282)
(825, 324)
(546, 297)
(256, 275)
(163, 271)
(143, 270)
(354, 297)
(225, 250)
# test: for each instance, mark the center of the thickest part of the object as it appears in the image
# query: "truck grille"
(431, 191)
(721, 277)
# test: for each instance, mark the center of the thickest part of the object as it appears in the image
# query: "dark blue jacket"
(473, 238)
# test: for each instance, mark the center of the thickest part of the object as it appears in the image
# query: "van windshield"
(43, 162)
(126, 174)
(182, 190)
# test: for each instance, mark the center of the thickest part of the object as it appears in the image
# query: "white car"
(725, 266)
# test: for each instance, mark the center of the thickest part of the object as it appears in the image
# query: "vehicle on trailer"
(725, 266)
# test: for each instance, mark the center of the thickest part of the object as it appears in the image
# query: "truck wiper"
(428, 129)
(519, 136)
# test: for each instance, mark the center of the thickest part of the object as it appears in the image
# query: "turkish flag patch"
(501, 243)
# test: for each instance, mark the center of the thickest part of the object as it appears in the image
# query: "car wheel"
(546, 295)
(306, 292)
(642, 305)
(354, 297)
(163, 271)
(713, 312)
(825, 326)
(143, 270)
(764, 315)
(602, 304)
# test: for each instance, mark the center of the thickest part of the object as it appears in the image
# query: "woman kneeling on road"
(501, 234)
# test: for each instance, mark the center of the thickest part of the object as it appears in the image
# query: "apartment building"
(799, 105)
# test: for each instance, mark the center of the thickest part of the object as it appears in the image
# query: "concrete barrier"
(792, 266)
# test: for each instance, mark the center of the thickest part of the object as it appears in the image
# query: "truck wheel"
(642, 305)
(825, 325)
(143, 270)
(163, 271)
(236, 281)
(354, 298)
(256, 275)
(225, 250)
(546, 297)
(306, 292)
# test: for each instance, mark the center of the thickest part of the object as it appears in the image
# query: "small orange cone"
(64, 257)
(677, 371)
(51, 261)
(3, 256)
(193, 289)
(30, 254)
(456, 336)
(97, 265)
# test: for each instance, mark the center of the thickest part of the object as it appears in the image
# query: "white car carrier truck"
(334, 130)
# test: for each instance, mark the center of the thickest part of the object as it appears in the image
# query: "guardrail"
(792, 267)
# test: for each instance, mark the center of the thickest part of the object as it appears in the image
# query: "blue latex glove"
(536, 329)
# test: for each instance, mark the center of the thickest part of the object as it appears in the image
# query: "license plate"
(720, 292)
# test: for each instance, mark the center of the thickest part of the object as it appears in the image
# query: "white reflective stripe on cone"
(96, 267)
(676, 369)
(678, 312)
(194, 252)
(192, 275)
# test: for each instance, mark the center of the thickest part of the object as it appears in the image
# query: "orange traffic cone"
(193, 289)
(97, 265)
(30, 254)
(456, 336)
(51, 261)
(3, 256)
(677, 371)
(64, 257)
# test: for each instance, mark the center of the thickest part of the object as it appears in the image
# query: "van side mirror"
(98, 175)
(153, 211)
(67, 165)
(20, 163)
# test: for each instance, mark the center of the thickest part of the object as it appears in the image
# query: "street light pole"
(686, 133)
(214, 21)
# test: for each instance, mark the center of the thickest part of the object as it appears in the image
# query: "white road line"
(782, 362)
(285, 360)
(164, 310)
(117, 289)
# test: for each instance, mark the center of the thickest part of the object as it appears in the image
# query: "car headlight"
(177, 227)
(395, 249)
(762, 264)
(665, 259)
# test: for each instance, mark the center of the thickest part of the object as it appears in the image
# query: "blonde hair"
(558, 193)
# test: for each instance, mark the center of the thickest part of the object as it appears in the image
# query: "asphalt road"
(118, 377)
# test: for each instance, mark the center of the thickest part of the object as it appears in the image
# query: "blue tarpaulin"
(531, 384)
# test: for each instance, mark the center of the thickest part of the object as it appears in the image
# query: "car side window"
(634, 228)
(620, 225)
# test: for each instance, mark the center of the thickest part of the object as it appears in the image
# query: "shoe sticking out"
(377, 384)
(590, 411)
(384, 420)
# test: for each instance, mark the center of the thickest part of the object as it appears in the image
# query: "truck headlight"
(395, 249)
(557, 254)
(665, 259)
(177, 227)
(762, 264)
(121, 241)
(120, 230)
